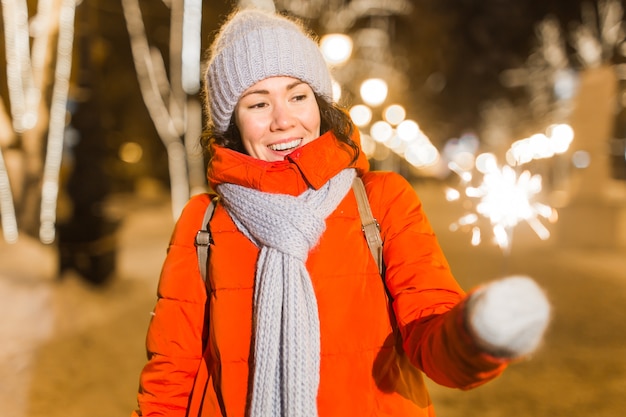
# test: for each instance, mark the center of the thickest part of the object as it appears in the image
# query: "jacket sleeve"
(428, 302)
(175, 336)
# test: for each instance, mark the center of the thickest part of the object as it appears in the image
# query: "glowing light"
(466, 176)
(381, 131)
(7, 133)
(486, 162)
(505, 199)
(430, 155)
(374, 91)
(452, 194)
(581, 159)
(408, 130)
(361, 115)
(150, 72)
(468, 219)
(561, 137)
(154, 87)
(21, 72)
(461, 152)
(336, 48)
(394, 114)
(421, 154)
(476, 236)
(465, 160)
(54, 151)
(131, 152)
(192, 20)
(588, 47)
(178, 178)
(336, 90)
(368, 145)
(565, 84)
(396, 144)
(540, 146)
(7, 208)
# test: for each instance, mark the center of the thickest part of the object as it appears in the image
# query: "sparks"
(505, 200)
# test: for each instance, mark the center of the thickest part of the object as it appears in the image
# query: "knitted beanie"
(253, 45)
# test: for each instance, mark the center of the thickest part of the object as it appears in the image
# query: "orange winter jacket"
(199, 347)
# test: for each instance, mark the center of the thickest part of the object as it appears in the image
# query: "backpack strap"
(369, 225)
(204, 239)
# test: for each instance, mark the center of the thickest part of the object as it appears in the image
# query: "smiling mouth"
(286, 146)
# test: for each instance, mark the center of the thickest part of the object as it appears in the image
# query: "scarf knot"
(286, 321)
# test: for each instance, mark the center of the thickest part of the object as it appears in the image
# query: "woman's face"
(276, 116)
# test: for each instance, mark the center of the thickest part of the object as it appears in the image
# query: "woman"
(298, 321)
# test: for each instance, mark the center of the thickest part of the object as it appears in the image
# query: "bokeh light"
(130, 152)
(394, 114)
(361, 115)
(381, 131)
(562, 136)
(336, 48)
(336, 91)
(557, 140)
(374, 91)
(486, 162)
(581, 159)
(408, 130)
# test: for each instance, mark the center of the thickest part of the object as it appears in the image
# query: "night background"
(466, 45)
(476, 75)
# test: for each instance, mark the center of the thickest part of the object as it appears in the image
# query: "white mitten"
(508, 317)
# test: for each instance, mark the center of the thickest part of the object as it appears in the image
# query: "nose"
(282, 117)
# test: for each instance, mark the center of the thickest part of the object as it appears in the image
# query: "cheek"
(309, 118)
(248, 129)
(314, 122)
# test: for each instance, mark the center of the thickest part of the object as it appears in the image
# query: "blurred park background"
(507, 116)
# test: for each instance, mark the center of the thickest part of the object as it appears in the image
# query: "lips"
(285, 146)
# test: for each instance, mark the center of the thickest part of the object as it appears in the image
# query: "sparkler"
(504, 199)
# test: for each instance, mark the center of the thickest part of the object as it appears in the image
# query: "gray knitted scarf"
(286, 321)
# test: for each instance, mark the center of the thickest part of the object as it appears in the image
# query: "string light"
(54, 152)
(192, 20)
(19, 74)
(150, 74)
(7, 208)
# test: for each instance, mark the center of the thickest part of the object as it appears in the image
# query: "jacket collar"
(309, 166)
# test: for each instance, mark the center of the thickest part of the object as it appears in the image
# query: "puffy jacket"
(199, 348)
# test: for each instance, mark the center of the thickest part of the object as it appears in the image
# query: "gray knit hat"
(254, 45)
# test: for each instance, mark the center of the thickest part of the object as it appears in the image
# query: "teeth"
(285, 146)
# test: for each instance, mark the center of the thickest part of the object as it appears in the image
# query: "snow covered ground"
(69, 349)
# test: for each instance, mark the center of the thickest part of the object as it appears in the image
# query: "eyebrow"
(261, 91)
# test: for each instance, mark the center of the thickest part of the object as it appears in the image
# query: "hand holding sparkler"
(508, 318)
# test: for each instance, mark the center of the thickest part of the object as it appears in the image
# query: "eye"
(257, 105)
(300, 97)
